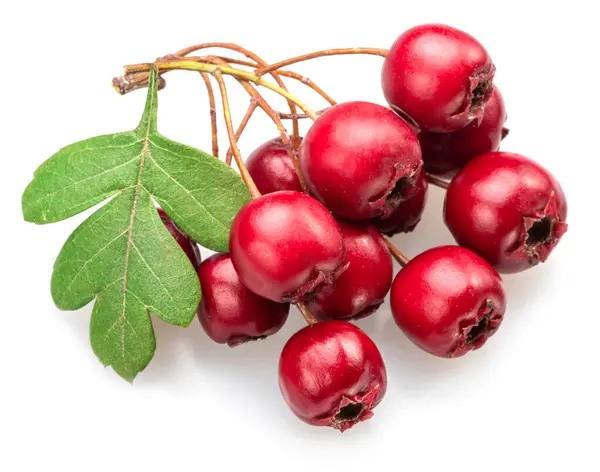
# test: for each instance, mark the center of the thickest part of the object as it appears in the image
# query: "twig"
(438, 182)
(242, 126)
(251, 55)
(254, 193)
(258, 98)
(213, 114)
(327, 52)
(396, 253)
(306, 314)
(284, 73)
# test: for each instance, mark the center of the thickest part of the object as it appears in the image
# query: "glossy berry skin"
(272, 169)
(508, 209)
(448, 301)
(229, 312)
(448, 152)
(438, 76)
(332, 374)
(407, 215)
(360, 290)
(189, 247)
(285, 245)
(360, 159)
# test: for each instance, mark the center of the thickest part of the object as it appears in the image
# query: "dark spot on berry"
(478, 330)
(350, 412)
(403, 189)
(540, 232)
(481, 94)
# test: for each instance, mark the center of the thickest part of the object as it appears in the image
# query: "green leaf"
(122, 255)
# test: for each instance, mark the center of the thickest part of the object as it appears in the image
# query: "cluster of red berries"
(366, 167)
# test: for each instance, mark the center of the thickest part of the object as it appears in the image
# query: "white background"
(528, 400)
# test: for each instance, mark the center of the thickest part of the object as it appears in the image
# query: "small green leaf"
(122, 255)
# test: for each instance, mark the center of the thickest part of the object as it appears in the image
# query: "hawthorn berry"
(332, 374)
(285, 245)
(438, 76)
(449, 152)
(448, 301)
(272, 169)
(506, 208)
(229, 312)
(360, 290)
(361, 160)
(189, 247)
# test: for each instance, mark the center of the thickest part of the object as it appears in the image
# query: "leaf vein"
(154, 274)
(84, 265)
(77, 182)
(210, 215)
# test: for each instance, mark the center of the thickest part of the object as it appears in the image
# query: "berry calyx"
(407, 215)
(448, 301)
(229, 312)
(438, 77)
(360, 290)
(332, 374)
(508, 209)
(272, 169)
(285, 245)
(189, 247)
(361, 160)
(449, 152)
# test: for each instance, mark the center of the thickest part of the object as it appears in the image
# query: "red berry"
(508, 209)
(272, 169)
(408, 214)
(229, 312)
(189, 247)
(360, 160)
(439, 76)
(448, 301)
(448, 152)
(286, 244)
(360, 290)
(332, 374)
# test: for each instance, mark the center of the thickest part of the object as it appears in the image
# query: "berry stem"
(213, 114)
(313, 55)
(254, 193)
(284, 73)
(306, 314)
(396, 253)
(251, 55)
(437, 181)
(309, 83)
(258, 98)
(242, 126)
